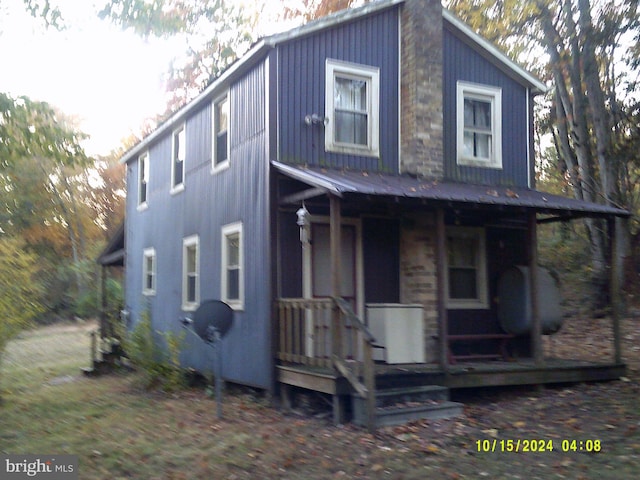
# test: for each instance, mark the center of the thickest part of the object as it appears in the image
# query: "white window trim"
(217, 167)
(143, 205)
(179, 187)
(372, 76)
(227, 230)
(149, 253)
(494, 96)
(482, 302)
(191, 241)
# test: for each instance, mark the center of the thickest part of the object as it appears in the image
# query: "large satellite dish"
(210, 317)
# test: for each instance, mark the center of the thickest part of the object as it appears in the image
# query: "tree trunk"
(573, 132)
(596, 100)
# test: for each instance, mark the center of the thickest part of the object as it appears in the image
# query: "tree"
(49, 206)
(216, 33)
(44, 11)
(577, 44)
(48, 197)
(18, 291)
(314, 9)
(108, 195)
(31, 128)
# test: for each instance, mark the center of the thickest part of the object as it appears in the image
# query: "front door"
(321, 262)
(317, 270)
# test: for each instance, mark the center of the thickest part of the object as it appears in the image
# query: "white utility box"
(399, 329)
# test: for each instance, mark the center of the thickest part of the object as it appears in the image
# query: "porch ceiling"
(344, 182)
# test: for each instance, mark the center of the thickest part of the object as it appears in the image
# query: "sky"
(110, 80)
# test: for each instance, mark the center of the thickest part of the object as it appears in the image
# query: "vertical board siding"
(208, 202)
(381, 250)
(369, 41)
(461, 62)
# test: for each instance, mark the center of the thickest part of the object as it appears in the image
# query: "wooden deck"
(462, 375)
(324, 347)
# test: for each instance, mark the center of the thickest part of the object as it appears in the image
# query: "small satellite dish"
(211, 321)
(212, 316)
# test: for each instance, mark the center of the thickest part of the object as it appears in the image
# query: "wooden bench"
(503, 339)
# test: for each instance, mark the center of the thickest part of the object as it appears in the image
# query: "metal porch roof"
(113, 253)
(341, 182)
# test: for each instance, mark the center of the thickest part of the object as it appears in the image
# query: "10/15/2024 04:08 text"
(538, 445)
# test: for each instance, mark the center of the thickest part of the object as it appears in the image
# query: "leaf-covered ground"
(119, 431)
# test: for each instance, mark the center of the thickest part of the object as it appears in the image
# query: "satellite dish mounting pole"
(217, 345)
(211, 322)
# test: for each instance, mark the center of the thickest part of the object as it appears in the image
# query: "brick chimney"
(421, 89)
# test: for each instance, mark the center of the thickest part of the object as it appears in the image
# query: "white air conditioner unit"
(399, 329)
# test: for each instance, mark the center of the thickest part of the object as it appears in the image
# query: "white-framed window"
(190, 272)
(149, 271)
(178, 157)
(352, 108)
(466, 268)
(143, 180)
(232, 266)
(221, 148)
(479, 125)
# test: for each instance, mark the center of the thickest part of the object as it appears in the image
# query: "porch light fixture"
(303, 222)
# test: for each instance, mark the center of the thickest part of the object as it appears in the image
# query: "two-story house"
(383, 155)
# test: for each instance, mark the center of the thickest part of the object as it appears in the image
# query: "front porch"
(454, 252)
(464, 375)
(306, 359)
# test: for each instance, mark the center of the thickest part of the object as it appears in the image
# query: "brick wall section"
(418, 274)
(421, 89)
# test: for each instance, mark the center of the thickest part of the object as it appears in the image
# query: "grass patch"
(120, 431)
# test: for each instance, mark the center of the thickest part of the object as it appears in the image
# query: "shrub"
(160, 367)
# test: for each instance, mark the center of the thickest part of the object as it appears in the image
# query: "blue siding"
(463, 63)
(370, 41)
(208, 202)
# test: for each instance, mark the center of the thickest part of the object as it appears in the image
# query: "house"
(354, 189)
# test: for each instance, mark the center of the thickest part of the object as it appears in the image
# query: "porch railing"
(304, 328)
(308, 336)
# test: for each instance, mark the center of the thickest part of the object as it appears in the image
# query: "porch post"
(615, 289)
(441, 265)
(335, 231)
(336, 280)
(103, 301)
(536, 325)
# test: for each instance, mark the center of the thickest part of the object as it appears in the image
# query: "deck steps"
(395, 406)
(105, 360)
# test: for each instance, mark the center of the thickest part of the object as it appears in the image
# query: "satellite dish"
(211, 321)
(210, 317)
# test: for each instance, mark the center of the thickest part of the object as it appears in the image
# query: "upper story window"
(178, 156)
(190, 272)
(232, 266)
(479, 125)
(221, 147)
(466, 268)
(143, 180)
(149, 271)
(352, 105)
